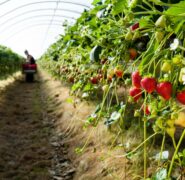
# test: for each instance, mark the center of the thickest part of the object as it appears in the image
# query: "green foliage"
(127, 33)
(119, 6)
(177, 9)
(10, 62)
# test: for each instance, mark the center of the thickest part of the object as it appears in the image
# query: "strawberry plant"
(120, 43)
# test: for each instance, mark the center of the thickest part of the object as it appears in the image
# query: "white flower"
(115, 115)
(94, 115)
(183, 79)
(84, 95)
(166, 75)
(163, 156)
(174, 45)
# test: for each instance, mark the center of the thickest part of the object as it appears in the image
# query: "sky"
(36, 24)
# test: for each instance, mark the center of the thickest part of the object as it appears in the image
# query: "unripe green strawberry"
(161, 22)
(171, 131)
(177, 59)
(105, 88)
(159, 35)
(166, 67)
(170, 122)
(137, 113)
(128, 36)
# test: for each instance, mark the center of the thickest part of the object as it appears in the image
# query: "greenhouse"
(92, 90)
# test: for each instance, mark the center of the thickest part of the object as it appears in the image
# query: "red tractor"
(29, 70)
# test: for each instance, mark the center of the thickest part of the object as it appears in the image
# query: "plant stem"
(162, 147)
(182, 48)
(174, 143)
(102, 105)
(175, 146)
(145, 137)
(175, 153)
(88, 138)
(145, 151)
(115, 91)
(141, 144)
(114, 140)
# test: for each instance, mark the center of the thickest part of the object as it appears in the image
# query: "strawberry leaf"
(177, 11)
(119, 6)
(95, 2)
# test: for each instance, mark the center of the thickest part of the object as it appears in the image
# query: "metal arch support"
(37, 10)
(32, 17)
(31, 26)
(4, 2)
(42, 2)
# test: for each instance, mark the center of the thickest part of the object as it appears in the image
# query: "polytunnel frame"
(38, 10)
(42, 2)
(32, 26)
(50, 23)
(33, 17)
(4, 2)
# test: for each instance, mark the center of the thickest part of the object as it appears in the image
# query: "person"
(30, 58)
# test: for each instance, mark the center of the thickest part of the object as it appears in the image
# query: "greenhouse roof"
(34, 25)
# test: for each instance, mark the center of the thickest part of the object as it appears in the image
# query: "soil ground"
(42, 134)
(29, 148)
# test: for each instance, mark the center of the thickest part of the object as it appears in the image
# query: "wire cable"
(41, 2)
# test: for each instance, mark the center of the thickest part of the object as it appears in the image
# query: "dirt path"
(29, 149)
(42, 133)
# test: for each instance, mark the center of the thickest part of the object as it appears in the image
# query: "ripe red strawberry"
(135, 93)
(181, 96)
(94, 80)
(164, 89)
(134, 26)
(133, 53)
(136, 79)
(149, 84)
(118, 72)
